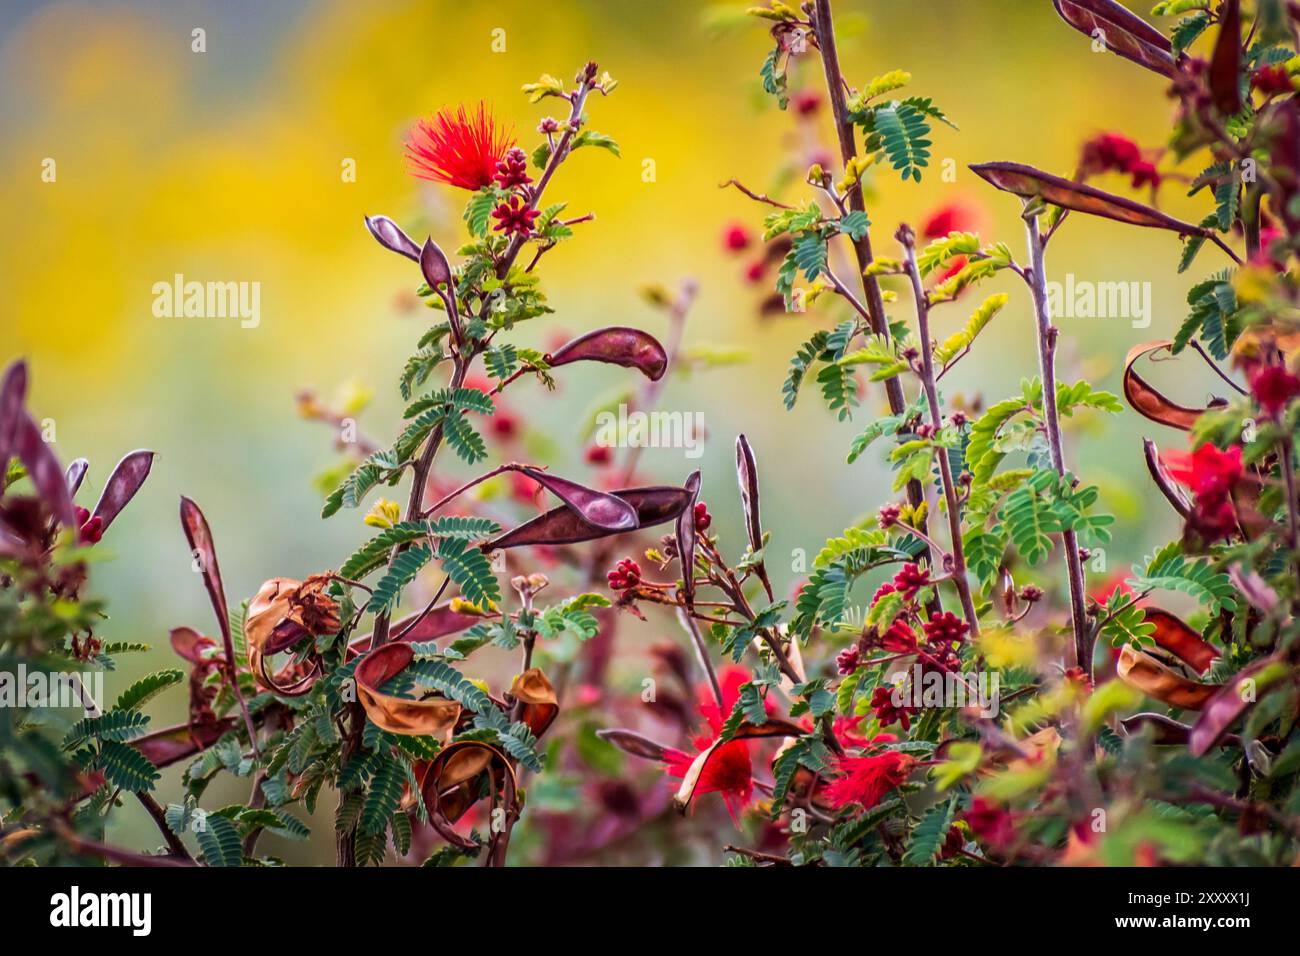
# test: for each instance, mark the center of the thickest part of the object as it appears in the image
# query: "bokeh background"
(226, 165)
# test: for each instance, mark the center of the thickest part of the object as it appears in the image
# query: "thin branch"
(1047, 335)
(908, 240)
(824, 28)
(757, 197)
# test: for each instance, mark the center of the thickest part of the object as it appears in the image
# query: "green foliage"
(117, 725)
(928, 836)
(440, 676)
(400, 573)
(125, 767)
(219, 840)
(374, 553)
(809, 752)
(1169, 570)
(469, 570)
(382, 797)
(377, 468)
(901, 131)
(1212, 317)
(147, 688)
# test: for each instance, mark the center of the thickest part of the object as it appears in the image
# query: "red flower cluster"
(1210, 474)
(1273, 387)
(1272, 80)
(515, 216)
(702, 517)
(458, 148)
(847, 660)
(899, 639)
(887, 712)
(991, 823)
(911, 579)
(945, 628)
(90, 529)
(626, 574)
(512, 171)
(1111, 152)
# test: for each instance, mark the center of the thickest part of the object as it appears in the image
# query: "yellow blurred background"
(226, 165)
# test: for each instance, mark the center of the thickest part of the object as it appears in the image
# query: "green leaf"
(219, 840)
(807, 752)
(799, 365)
(375, 469)
(749, 707)
(839, 389)
(440, 676)
(383, 796)
(929, 835)
(463, 439)
(469, 569)
(374, 553)
(589, 137)
(901, 130)
(116, 725)
(854, 224)
(774, 79)
(400, 827)
(418, 368)
(126, 767)
(400, 573)
(146, 688)
(478, 211)
(1170, 571)
(1030, 520)
(961, 340)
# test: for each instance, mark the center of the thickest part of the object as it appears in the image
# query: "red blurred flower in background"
(1112, 152)
(951, 217)
(1273, 387)
(1210, 475)
(458, 148)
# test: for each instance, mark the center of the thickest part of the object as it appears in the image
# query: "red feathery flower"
(865, 780)
(729, 772)
(458, 148)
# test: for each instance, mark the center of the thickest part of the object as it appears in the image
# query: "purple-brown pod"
(122, 485)
(75, 475)
(434, 265)
(1030, 183)
(616, 345)
(43, 469)
(390, 236)
(563, 525)
(203, 551)
(1122, 31)
(13, 390)
(687, 537)
(596, 507)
